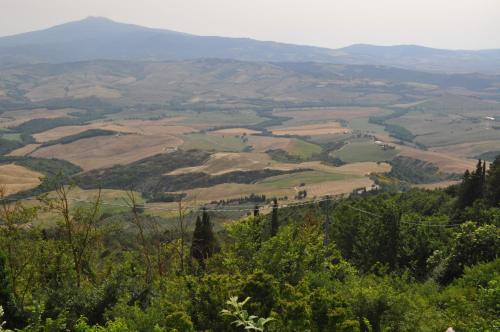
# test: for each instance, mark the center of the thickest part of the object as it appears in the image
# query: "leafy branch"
(242, 318)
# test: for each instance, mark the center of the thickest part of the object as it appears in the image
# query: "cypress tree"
(472, 186)
(204, 243)
(274, 218)
(479, 180)
(256, 211)
(492, 186)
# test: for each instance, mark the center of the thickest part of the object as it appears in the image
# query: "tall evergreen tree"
(274, 218)
(492, 185)
(256, 211)
(472, 186)
(479, 180)
(204, 243)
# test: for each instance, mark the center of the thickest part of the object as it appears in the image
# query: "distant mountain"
(421, 58)
(100, 38)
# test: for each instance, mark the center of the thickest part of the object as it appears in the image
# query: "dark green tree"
(204, 243)
(256, 211)
(472, 186)
(472, 244)
(492, 185)
(7, 301)
(274, 218)
(261, 288)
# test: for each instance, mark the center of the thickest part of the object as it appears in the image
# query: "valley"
(338, 128)
(204, 181)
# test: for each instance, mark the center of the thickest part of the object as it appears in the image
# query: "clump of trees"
(382, 261)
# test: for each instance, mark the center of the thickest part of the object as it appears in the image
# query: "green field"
(291, 180)
(363, 124)
(212, 143)
(11, 136)
(303, 149)
(363, 151)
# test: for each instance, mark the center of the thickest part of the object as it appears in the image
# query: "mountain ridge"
(101, 38)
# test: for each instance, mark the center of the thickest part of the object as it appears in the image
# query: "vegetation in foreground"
(414, 261)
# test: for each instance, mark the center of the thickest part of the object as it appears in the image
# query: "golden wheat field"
(15, 178)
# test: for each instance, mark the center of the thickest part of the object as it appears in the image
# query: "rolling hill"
(100, 38)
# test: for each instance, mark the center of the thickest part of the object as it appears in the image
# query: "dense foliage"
(414, 261)
(149, 175)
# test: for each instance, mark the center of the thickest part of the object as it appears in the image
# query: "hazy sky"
(458, 24)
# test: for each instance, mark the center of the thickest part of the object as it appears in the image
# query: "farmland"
(253, 123)
(364, 151)
(16, 178)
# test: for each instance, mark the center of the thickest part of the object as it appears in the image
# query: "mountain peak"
(97, 18)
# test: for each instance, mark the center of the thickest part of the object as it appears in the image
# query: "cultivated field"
(303, 116)
(364, 151)
(312, 130)
(237, 112)
(15, 118)
(469, 150)
(265, 143)
(211, 142)
(446, 162)
(224, 162)
(25, 150)
(142, 127)
(236, 131)
(15, 178)
(106, 151)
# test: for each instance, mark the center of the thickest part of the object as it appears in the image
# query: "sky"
(452, 24)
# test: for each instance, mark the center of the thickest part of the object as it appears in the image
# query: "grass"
(303, 149)
(294, 180)
(113, 201)
(206, 142)
(11, 136)
(363, 151)
(363, 125)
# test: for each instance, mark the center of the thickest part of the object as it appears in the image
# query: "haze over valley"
(148, 176)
